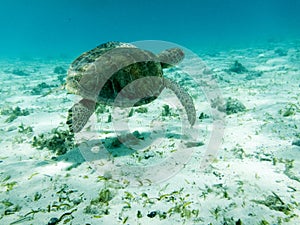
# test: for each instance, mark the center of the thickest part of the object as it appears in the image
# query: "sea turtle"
(101, 75)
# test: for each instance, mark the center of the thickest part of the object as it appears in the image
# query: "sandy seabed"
(253, 179)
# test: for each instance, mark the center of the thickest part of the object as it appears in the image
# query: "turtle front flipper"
(79, 114)
(185, 99)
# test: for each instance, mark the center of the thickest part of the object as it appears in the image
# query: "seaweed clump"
(59, 70)
(290, 110)
(231, 106)
(297, 143)
(274, 202)
(14, 113)
(281, 52)
(20, 72)
(40, 88)
(141, 110)
(253, 75)
(100, 205)
(58, 141)
(9, 207)
(237, 67)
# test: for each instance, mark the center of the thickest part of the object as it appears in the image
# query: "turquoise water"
(35, 28)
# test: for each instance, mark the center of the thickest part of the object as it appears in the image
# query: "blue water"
(44, 28)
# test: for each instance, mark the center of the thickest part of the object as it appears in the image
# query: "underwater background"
(34, 28)
(239, 164)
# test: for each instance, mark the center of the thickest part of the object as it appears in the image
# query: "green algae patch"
(58, 141)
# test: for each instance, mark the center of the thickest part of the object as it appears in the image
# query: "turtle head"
(170, 57)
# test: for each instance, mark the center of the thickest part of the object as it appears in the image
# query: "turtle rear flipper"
(79, 114)
(185, 99)
(170, 57)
